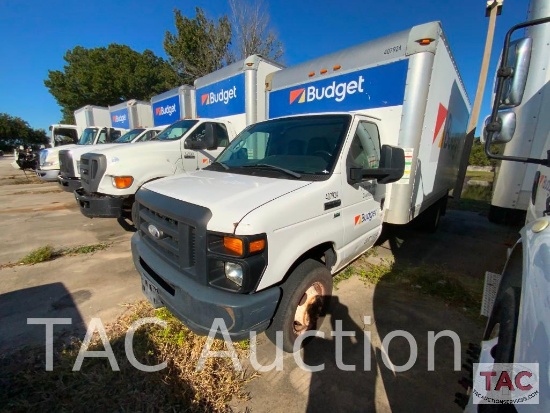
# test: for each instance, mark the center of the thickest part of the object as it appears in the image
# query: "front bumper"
(199, 305)
(69, 184)
(48, 175)
(98, 205)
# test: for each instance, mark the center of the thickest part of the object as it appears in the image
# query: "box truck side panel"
(166, 111)
(223, 98)
(375, 87)
(120, 118)
(442, 137)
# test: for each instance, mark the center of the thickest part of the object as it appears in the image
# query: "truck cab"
(111, 177)
(48, 165)
(255, 237)
(69, 159)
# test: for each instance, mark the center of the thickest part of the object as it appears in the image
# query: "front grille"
(92, 168)
(66, 165)
(175, 230)
(176, 242)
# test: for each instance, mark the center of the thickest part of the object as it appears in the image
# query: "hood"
(117, 149)
(78, 150)
(228, 196)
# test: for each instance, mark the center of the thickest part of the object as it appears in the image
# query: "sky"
(36, 35)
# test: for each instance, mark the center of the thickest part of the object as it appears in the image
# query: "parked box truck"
(518, 328)
(69, 159)
(369, 134)
(94, 125)
(111, 177)
(173, 105)
(131, 114)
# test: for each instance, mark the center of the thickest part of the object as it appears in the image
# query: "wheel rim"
(309, 308)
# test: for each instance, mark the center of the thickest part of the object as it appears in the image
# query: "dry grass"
(26, 386)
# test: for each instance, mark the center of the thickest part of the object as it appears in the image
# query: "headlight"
(123, 182)
(234, 272)
(51, 163)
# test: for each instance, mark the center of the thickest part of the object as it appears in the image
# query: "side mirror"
(391, 167)
(503, 129)
(519, 58)
(208, 141)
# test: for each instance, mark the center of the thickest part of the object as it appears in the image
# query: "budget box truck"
(133, 116)
(93, 124)
(518, 328)
(110, 178)
(173, 105)
(69, 159)
(367, 135)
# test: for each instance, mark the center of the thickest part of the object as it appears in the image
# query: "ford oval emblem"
(155, 232)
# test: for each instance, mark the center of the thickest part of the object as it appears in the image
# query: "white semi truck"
(93, 123)
(518, 328)
(69, 159)
(376, 135)
(229, 99)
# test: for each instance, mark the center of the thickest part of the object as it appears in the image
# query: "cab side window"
(221, 132)
(102, 138)
(364, 151)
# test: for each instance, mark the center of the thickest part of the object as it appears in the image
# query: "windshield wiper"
(220, 163)
(277, 168)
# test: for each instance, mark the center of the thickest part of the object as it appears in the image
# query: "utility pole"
(493, 8)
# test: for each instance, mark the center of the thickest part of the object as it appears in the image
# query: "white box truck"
(173, 105)
(518, 327)
(69, 159)
(131, 114)
(94, 125)
(255, 238)
(111, 177)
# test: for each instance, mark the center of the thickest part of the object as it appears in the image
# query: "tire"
(304, 302)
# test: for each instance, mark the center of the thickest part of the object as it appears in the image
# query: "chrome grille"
(66, 163)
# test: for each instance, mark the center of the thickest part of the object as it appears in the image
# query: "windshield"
(129, 136)
(176, 130)
(87, 137)
(302, 145)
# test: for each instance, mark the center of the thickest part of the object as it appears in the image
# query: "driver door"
(198, 159)
(362, 214)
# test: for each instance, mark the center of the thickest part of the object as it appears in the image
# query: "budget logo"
(336, 91)
(298, 94)
(165, 110)
(119, 118)
(369, 216)
(223, 96)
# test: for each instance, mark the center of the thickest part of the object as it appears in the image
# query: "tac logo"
(336, 91)
(165, 110)
(369, 216)
(223, 96)
(119, 118)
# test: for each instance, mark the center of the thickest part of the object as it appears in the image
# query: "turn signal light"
(257, 246)
(425, 42)
(234, 244)
(123, 182)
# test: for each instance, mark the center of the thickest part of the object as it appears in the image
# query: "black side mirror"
(390, 169)
(208, 141)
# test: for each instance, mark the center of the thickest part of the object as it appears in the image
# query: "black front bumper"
(68, 184)
(198, 305)
(97, 205)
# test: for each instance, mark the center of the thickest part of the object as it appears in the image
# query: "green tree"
(478, 157)
(14, 131)
(106, 76)
(199, 46)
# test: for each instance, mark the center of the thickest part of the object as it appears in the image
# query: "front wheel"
(305, 299)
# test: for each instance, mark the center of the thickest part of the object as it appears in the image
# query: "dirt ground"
(98, 285)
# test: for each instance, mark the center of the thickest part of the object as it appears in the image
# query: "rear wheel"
(305, 299)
